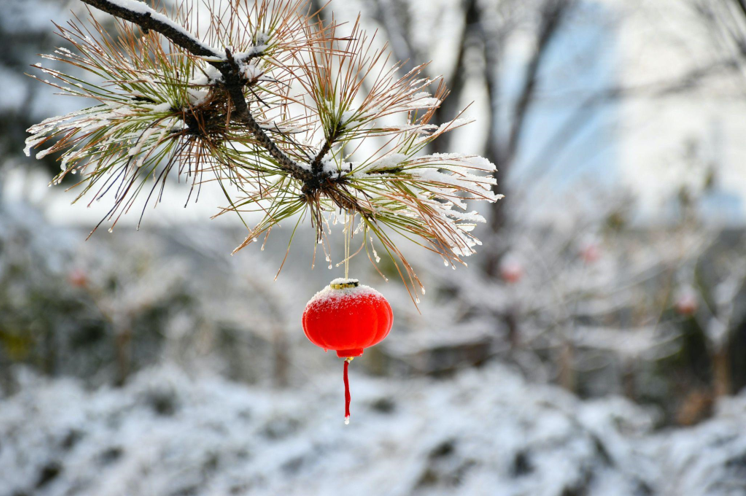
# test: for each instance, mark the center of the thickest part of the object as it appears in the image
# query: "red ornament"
(77, 278)
(590, 252)
(511, 271)
(687, 303)
(347, 318)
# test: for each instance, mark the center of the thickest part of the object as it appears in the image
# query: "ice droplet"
(445, 262)
(347, 420)
(330, 266)
(111, 229)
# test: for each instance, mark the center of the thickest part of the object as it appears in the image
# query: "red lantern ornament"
(590, 252)
(347, 317)
(687, 302)
(511, 270)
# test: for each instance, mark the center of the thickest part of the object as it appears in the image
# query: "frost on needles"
(288, 115)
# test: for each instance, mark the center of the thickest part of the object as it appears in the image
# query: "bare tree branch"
(457, 81)
(552, 17)
(147, 18)
(398, 34)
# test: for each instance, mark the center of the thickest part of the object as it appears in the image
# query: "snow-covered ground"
(487, 432)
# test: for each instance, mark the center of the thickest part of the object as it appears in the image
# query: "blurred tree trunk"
(566, 369)
(123, 338)
(737, 350)
(485, 33)
(629, 379)
(553, 13)
(721, 372)
(471, 34)
(281, 360)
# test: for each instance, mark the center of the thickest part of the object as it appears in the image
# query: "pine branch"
(148, 19)
(316, 165)
(234, 85)
(186, 107)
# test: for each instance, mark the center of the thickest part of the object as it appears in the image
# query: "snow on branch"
(283, 118)
(147, 18)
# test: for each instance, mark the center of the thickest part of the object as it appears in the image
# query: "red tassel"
(347, 391)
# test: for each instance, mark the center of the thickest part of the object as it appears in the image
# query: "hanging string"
(349, 221)
(347, 390)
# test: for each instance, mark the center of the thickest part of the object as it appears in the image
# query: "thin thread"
(349, 220)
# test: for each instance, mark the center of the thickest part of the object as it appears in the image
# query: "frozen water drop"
(347, 420)
(445, 262)
(111, 229)
(330, 266)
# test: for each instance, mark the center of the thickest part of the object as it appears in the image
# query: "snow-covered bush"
(487, 432)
